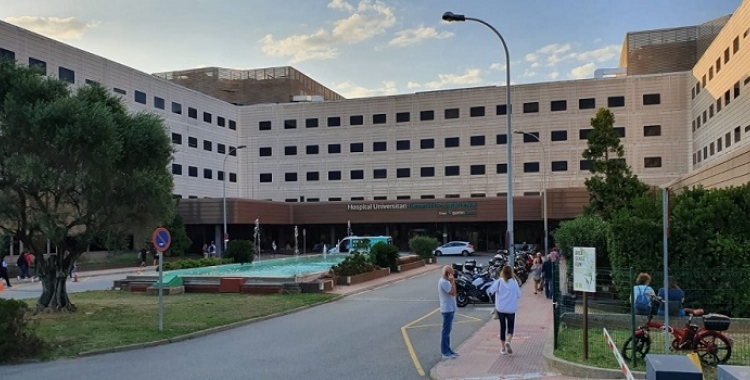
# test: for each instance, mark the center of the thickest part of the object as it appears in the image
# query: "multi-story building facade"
(430, 162)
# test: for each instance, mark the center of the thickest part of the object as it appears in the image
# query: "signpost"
(584, 280)
(161, 239)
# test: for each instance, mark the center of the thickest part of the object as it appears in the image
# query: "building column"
(445, 233)
(333, 236)
(218, 239)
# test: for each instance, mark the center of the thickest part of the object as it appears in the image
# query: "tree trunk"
(53, 274)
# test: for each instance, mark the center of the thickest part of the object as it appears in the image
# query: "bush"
(423, 246)
(17, 340)
(241, 251)
(584, 231)
(385, 256)
(354, 264)
(190, 264)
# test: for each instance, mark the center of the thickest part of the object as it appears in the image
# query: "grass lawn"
(115, 318)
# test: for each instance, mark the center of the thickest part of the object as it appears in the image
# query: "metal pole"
(224, 201)
(161, 286)
(665, 228)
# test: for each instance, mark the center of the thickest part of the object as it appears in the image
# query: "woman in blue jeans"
(507, 292)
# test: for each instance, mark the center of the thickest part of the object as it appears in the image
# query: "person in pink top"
(507, 292)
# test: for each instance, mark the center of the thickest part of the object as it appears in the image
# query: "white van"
(348, 244)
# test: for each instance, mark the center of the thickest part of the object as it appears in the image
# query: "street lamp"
(544, 186)
(451, 17)
(224, 185)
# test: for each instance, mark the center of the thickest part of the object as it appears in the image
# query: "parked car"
(455, 248)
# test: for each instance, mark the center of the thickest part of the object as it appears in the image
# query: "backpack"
(642, 301)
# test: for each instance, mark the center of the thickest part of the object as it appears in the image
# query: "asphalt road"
(357, 337)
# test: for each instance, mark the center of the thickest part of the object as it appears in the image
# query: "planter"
(364, 277)
(412, 265)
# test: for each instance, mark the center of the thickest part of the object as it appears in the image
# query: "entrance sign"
(584, 269)
(162, 239)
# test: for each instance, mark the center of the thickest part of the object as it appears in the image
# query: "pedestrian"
(507, 292)
(642, 294)
(205, 250)
(547, 274)
(447, 296)
(212, 250)
(674, 296)
(4, 271)
(536, 273)
(155, 254)
(31, 265)
(273, 248)
(144, 255)
(553, 254)
(23, 266)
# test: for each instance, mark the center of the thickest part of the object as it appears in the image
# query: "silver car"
(455, 248)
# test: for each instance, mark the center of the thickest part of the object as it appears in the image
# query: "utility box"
(671, 367)
(732, 372)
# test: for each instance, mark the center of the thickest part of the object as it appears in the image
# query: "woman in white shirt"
(507, 292)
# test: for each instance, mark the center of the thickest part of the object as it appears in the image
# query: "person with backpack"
(23, 266)
(642, 294)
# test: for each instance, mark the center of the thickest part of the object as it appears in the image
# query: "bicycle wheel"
(642, 347)
(713, 348)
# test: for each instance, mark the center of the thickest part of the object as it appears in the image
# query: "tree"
(74, 166)
(180, 240)
(241, 251)
(612, 185)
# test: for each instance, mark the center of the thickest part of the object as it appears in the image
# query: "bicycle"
(711, 345)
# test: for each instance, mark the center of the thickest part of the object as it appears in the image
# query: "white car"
(455, 248)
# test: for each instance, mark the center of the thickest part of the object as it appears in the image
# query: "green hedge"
(354, 264)
(385, 256)
(200, 263)
(17, 340)
(423, 246)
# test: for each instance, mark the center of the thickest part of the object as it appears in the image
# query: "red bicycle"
(711, 345)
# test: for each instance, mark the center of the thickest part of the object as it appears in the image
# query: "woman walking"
(507, 292)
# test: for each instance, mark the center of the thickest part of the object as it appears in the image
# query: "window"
(427, 172)
(427, 197)
(176, 169)
(334, 175)
(380, 198)
(379, 146)
(192, 113)
(158, 103)
(559, 166)
(402, 197)
(559, 136)
(651, 130)
(207, 145)
(403, 117)
(266, 177)
(728, 139)
(692, 92)
(192, 171)
(711, 111)
(705, 152)
(220, 175)
(403, 173)
(710, 73)
(311, 123)
(313, 176)
(532, 107)
(290, 150)
(356, 147)
(587, 103)
(266, 151)
(452, 142)
(357, 174)
(737, 90)
(718, 105)
(531, 137)
(726, 56)
(501, 168)
(453, 195)
(703, 81)
(426, 115)
(694, 162)
(177, 108)
(727, 99)
(451, 113)
(207, 174)
(403, 145)
(380, 173)
(311, 149)
(697, 88)
(119, 91)
(66, 75)
(718, 65)
(476, 111)
(704, 117)
(501, 139)
(358, 198)
(478, 195)
(140, 97)
(207, 117)
(583, 134)
(290, 177)
(616, 101)
(221, 148)
(334, 121)
(736, 45)
(264, 125)
(477, 140)
(477, 169)
(37, 65)
(232, 125)
(291, 200)
(737, 134)
(718, 145)
(531, 167)
(356, 120)
(652, 162)
(585, 165)
(379, 118)
(334, 148)
(651, 99)
(452, 171)
(176, 138)
(620, 132)
(501, 109)
(693, 125)
(427, 144)
(232, 151)
(558, 105)
(7, 55)
(290, 124)
(192, 142)
(334, 199)
(220, 121)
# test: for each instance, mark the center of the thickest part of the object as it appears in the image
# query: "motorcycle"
(474, 288)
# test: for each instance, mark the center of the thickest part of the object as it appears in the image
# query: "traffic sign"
(161, 239)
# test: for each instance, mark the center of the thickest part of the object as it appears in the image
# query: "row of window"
(702, 84)
(711, 149)
(448, 171)
(69, 76)
(402, 197)
(192, 171)
(454, 113)
(727, 99)
(207, 145)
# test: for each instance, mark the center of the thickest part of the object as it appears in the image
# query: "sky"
(363, 48)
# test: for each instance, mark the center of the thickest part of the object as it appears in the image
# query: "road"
(357, 337)
(29, 290)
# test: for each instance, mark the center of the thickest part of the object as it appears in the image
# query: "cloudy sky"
(363, 48)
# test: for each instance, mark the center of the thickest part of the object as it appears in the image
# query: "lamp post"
(451, 17)
(545, 157)
(224, 196)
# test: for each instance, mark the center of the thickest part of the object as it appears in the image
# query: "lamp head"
(451, 17)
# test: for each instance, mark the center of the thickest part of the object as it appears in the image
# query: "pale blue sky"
(363, 47)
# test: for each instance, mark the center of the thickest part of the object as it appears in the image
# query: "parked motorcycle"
(474, 288)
